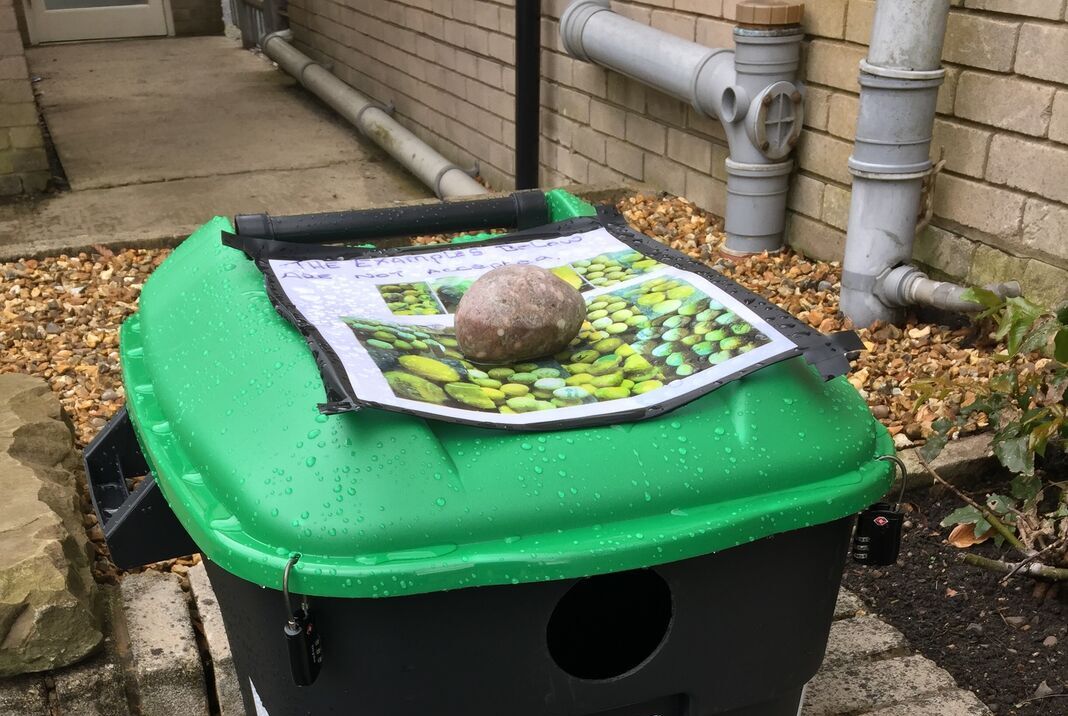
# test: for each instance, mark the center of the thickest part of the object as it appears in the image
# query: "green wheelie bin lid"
(223, 394)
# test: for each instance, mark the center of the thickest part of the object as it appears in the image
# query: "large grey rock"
(960, 462)
(163, 650)
(515, 313)
(227, 687)
(48, 611)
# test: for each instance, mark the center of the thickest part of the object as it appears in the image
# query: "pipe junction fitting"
(899, 84)
(752, 90)
(908, 286)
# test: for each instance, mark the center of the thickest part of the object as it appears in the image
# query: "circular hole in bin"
(607, 625)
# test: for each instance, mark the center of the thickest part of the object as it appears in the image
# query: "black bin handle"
(139, 527)
(519, 210)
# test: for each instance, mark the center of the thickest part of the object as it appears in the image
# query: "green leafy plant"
(1027, 409)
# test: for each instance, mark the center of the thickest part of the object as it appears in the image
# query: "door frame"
(151, 19)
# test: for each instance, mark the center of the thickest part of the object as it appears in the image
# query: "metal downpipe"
(527, 92)
(445, 178)
(891, 157)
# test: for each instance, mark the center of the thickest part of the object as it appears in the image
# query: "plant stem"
(989, 516)
(1033, 569)
(1032, 558)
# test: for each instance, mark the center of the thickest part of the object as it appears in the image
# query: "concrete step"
(97, 686)
(227, 687)
(164, 658)
(24, 696)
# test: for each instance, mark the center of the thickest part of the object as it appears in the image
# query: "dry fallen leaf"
(963, 536)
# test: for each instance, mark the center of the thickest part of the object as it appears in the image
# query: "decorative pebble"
(516, 313)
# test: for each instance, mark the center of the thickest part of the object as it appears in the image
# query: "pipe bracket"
(879, 173)
(897, 74)
(859, 281)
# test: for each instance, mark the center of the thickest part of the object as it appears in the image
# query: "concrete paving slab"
(24, 696)
(163, 650)
(861, 638)
(152, 110)
(227, 687)
(96, 687)
(158, 136)
(866, 686)
(161, 213)
(952, 703)
(847, 605)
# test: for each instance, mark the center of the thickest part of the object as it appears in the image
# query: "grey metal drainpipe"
(437, 172)
(752, 90)
(899, 84)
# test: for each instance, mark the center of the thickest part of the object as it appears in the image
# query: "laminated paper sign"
(656, 336)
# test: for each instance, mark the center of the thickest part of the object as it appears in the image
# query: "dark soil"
(988, 636)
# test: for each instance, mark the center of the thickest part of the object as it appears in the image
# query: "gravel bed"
(900, 364)
(60, 319)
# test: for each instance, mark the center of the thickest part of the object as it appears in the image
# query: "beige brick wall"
(1001, 204)
(23, 162)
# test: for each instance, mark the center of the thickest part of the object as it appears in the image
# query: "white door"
(62, 20)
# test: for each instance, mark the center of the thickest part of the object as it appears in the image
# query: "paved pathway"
(157, 136)
(153, 659)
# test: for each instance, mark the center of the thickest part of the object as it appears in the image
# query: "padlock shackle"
(285, 583)
(902, 471)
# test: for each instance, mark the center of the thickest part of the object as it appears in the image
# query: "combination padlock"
(877, 537)
(302, 638)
